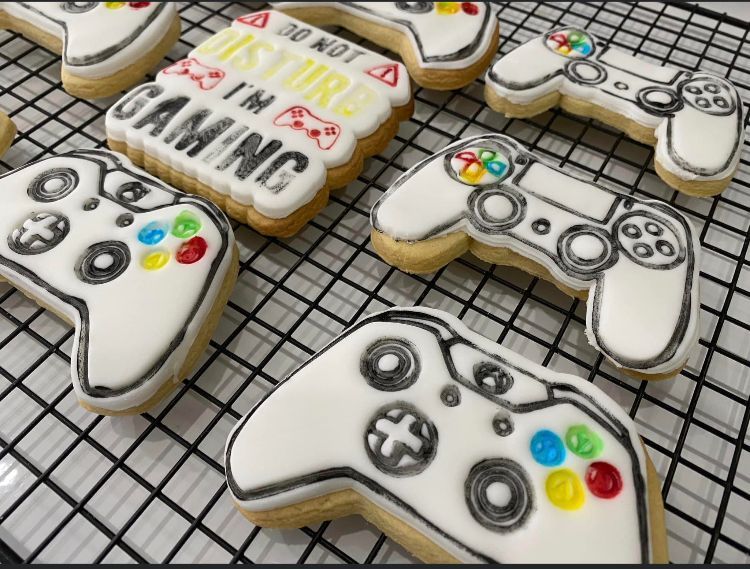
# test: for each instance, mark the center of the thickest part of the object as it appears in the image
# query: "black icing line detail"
(106, 53)
(568, 394)
(465, 52)
(506, 143)
(80, 361)
(679, 79)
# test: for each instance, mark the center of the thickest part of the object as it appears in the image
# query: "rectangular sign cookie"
(264, 118)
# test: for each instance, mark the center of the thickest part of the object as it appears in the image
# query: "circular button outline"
(660, 110)
(724, 91)
(479, 217)
(585, 267)
(88, 273)
(499, 519)
(574, 75)
(36, 189)
(406, 373)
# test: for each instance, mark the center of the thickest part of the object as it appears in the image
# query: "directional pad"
(39, 233)
(400, 441)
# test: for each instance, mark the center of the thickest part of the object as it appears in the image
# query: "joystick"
(635, 261)
(482, 453)
(109, 248)
(693, 118)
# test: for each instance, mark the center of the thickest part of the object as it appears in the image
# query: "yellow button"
(447, 7)
(564, 489)
(114, 5)
(155, 260)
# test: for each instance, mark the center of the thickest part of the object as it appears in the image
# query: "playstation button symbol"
(39, 233)
(400, 441)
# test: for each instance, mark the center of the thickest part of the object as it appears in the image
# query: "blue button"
(153, 232)
(547, 448)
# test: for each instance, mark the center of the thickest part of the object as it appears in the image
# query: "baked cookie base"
(348, 502)
(696, 188)
(438, 79)
(194, 352)
(290, 225)
(428, 256)
(86, 87)
(7, 133)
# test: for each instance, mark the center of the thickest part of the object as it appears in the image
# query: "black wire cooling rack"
(78, 487)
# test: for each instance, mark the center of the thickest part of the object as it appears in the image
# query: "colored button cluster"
(473, 164)
(450, 8)
(563, 486)
(185, 226)
(570, 43)
(134, 5)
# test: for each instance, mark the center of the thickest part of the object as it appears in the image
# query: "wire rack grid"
(75, 487)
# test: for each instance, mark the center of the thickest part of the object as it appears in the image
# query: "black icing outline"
(510, 148)
(105, 53)
(521, 505)
(484, 37)
(676, 83)
(109, 162)
(447, 337)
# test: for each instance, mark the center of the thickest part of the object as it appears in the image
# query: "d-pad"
(400, 440)
(39, 233)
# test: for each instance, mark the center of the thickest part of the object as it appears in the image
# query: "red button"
(138, 5)
(603, 480)
(191, 251)
(470, 8)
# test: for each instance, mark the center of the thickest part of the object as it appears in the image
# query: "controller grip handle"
(529, 66)
(635, 312)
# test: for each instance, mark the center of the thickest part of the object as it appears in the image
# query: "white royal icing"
(72, 237)
(293, 99)
(638, 259)
(449, 443)
(697, 116)
(444, 35)
(99, 38)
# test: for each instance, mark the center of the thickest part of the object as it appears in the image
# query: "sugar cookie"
(454, 446)
(7, 132)
(106, 46)
(141, 270)
(692, 118)
(636, 261)
(264, 118)
(445, 45)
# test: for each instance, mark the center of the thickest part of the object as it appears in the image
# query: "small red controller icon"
(299, 118)
(206, 77)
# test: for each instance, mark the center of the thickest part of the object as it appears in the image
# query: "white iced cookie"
(693, 118)
(264, 118)
(636, 261)
(105, 46)
(456, 447)
(141, 270)
(445, 45)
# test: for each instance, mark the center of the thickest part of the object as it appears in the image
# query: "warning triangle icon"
(258, 20)
(387, 73)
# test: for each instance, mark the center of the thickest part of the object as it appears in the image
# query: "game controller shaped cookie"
(142, 270)
(445, 45)
(635, 260)
(264, 118)
(454, 446)
(693, 118)
(7, 132)
(106, 46)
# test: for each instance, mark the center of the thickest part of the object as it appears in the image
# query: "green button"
(583, 442)
(186, 225)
